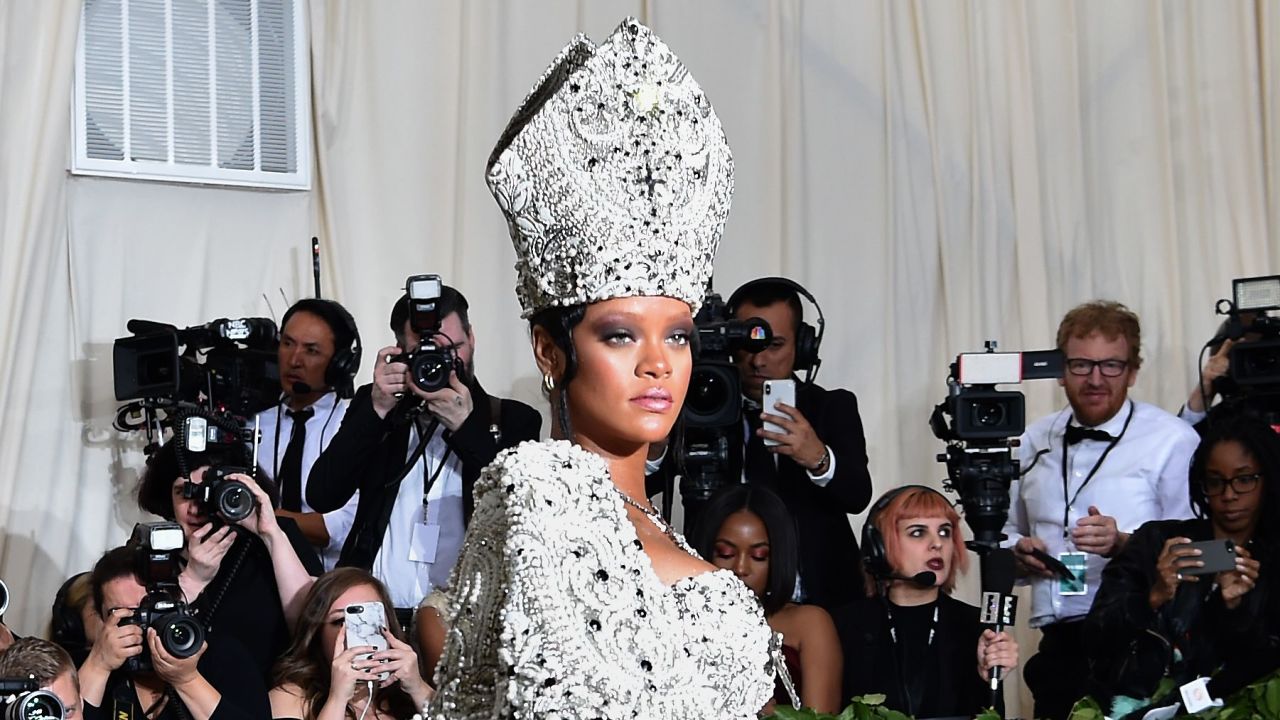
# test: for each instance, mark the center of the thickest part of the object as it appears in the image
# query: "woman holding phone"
(1165, 608)
(325, 675)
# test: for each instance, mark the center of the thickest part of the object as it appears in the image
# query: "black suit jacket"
(830, 562)
(368, 454)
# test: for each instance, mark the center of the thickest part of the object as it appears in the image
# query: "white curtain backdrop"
(937, 174)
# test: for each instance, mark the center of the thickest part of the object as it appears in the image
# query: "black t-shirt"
(941, 677)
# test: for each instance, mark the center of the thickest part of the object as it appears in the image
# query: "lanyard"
(913, 689)
(429, 478)
(1066, 494)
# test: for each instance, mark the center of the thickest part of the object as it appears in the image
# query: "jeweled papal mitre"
(614, 175)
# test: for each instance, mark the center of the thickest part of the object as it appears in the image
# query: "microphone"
(924, 579)
(998, 602)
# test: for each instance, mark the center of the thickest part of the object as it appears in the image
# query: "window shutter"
(211, 91)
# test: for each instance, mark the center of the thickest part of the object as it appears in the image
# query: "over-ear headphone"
(68, 627)
(340, 373)
(874, 554)
(808, 340)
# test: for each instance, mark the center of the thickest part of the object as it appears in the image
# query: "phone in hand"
(777, 391)
(364, 623)
(1217, 556)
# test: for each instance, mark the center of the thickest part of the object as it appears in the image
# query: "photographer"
(819, 466)
(218, 681)
(242, 579)
(1157, 613)
(1090, 474)
(49, 666)
(319, 354)
(415, 460)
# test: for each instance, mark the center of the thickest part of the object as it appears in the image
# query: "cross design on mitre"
(650, 181)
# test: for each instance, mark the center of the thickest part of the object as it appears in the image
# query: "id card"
(1196, 697)
(426, 539)
(1077, 563)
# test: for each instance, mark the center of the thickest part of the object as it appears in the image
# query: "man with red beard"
(1091, 474)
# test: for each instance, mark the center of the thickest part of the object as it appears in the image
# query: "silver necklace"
(653, 515)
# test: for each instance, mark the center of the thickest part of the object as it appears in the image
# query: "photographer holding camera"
(244, 571)
(414, 453)
(135, 672)
(1090, 475)
(47, 667)
(319, 354)
(819, 464)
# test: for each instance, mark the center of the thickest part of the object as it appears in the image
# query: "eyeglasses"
(1241, 484)
(1085, 366)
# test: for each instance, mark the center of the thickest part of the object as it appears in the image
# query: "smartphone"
(1217, 556)
(364, 623)
(777, 391)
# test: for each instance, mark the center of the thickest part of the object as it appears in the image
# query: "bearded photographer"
(1091, 474)
(243, 578)
(414, 455)
(49, 666)
(218, 681)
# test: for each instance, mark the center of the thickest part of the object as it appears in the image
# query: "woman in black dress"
(910, 639)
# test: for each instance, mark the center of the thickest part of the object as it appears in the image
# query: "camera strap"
(1066, 493)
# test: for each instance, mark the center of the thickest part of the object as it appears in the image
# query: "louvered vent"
(211, 91)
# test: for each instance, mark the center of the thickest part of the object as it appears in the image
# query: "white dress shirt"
(1143, 478)
(276, 427)
(409, 574)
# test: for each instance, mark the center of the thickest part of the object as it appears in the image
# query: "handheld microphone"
(999, 605)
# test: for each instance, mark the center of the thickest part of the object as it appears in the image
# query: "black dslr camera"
(713, 407)
(983, 431)
(220, 497)
(22, 699)
(431, 362)
(181, 633)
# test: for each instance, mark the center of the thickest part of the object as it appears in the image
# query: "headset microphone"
(924, 579)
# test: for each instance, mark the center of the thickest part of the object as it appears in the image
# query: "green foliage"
(1258, 701)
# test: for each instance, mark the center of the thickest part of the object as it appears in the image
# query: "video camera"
(981, 425)
(227, 368)
(1253, 377)
(431, 362)
(23, 699)
(713, 407)
(180, 632)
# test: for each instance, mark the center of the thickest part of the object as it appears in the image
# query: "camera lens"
(37, 704)
(182, 636)
(234, 501)
(989, 414)
(431, 371)
(708, 392)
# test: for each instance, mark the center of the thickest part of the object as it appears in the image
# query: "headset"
(340, 373)
(808, 340)
(68, 627)
(874, 555)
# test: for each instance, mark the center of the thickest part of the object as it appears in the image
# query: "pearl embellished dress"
(556, 611)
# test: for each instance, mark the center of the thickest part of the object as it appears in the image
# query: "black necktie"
(757, 461)
(1075, 434)
(290, 478)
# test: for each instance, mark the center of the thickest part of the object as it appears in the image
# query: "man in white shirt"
(416, 495)
(319, 353)
(1092, 473)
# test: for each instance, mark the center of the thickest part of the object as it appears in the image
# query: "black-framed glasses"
(1241, 484)
(1085, 366)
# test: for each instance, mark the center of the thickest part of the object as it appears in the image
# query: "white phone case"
(776, 391)
(364, 623)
